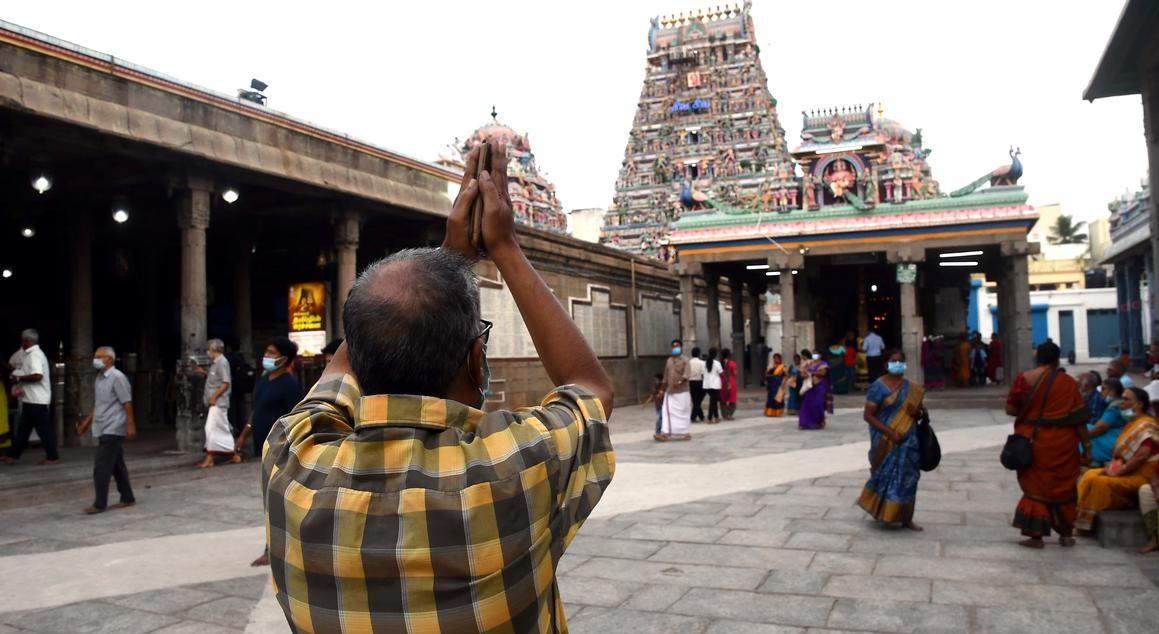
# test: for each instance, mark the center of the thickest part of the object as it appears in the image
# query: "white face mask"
(98, 364)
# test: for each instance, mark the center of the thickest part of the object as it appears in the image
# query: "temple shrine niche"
(705, 134)
(533, 197)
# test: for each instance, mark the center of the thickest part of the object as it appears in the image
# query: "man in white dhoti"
(677, 408)
(218, 435)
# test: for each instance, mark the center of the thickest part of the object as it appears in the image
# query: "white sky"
(975, 76)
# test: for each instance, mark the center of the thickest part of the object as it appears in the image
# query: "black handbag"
(931, 451)
(1018, 453)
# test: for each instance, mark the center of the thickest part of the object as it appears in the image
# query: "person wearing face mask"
(276, 393)
(419, 510)
(111, 422)
(893, 406)
(1133, 462)
(218, 433)
(816, 392)
(676, 409)
(1049, 411)
(1105, 430)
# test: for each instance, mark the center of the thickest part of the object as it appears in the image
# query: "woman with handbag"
(1049, 425)
(816, 393)
(892, 408)
(1135, 458)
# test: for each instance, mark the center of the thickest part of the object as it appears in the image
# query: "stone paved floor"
(794, 557)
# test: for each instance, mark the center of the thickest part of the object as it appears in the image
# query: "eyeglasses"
(485, 335)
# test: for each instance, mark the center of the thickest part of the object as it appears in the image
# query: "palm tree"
(1067, 231)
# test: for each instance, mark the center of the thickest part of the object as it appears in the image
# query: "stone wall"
(595, 284)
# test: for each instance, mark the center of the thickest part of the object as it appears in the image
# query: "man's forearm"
(221, 390)
(565, 354)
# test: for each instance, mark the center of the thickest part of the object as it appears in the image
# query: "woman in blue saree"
(892, 408)
(793, 387)
(817, 393)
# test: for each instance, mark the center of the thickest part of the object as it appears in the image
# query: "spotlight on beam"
(230, 195)
(6, 273)
(120, 216)
(41, 184)
(255, 93)
(28, 232)
(873, 288)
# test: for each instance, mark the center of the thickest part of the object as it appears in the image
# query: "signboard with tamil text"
(307, 317)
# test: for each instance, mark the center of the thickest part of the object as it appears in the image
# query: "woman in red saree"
(994, 362)
(1050, 397)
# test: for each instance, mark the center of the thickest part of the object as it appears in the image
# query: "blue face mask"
(486, 388)
(1127, 413)
(676, 351)
(1108, 398)
(269, 364)
(896, 368)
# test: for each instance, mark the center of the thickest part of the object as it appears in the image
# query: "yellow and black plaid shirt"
(418, 514)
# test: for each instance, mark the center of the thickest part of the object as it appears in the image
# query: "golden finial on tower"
(700, 15)
(880, 110)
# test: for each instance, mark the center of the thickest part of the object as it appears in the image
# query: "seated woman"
(776, 378)
(1132, 464)
(1105, 431)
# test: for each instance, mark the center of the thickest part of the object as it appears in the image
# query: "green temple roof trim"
(730, 216)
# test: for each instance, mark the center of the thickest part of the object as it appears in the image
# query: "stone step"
(1121, 529)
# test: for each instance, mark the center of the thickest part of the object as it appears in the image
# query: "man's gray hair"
(1090, 381)
(108, 351)
(31, 335)
(216, 345)
(410, 320)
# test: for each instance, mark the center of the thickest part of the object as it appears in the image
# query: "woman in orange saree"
(1049, 397)
(1135, 458)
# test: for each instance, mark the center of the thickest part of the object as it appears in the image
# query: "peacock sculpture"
(1003, 175)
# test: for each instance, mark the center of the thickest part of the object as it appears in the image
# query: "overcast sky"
(411, 76)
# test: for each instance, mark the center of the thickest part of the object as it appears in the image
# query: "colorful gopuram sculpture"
(532, 196)
(706, 141)
(706, 131)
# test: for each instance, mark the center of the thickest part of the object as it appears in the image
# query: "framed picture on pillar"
(307, 317)
(907, 273)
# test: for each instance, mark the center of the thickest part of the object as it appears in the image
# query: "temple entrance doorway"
(849, 295)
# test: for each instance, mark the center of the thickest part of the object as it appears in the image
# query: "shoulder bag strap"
(1042, 409)
(1030, 397)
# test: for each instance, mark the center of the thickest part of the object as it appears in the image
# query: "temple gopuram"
(847, 232)
(705, 131)
(532, 196)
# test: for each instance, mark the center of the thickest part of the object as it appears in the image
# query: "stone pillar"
(79, 375)
(688, 272)
(736, 299)
(1150, 93)
(785, 262)
(756, 309)
(243, 325)
(1135, 315)
(346, 228)
(906, 259)
(1016, 274)
(1123, 306)
(713, 312)
(193, 221)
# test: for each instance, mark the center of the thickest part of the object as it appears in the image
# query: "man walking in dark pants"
(35, 392)
(111, 422)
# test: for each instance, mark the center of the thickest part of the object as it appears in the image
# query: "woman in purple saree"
(819, 398)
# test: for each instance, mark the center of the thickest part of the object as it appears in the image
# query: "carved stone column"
(243, 325)
(736, 299)
(193, 220)
(712, 280)
(1135, 314)
(1016, 275)
(688, 272)
(906, 259)
(785, 263)
(346, 230)
(79, 377)
(756, 333)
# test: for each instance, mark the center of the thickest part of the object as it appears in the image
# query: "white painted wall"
(1077, 300)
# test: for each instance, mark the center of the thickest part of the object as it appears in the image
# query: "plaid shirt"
(418, 514)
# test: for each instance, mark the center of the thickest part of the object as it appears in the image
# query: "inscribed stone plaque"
(604, 326)
(509, 336)
(657, 324)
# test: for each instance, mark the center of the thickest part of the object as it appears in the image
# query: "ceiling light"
(757, 267)
(958, 263)
(803, 250)
(230, 195)
(960, 254)
(873, 288)
(41, 184)
(6, 273)
(772, 273)
(794, 271)
(28, 232)
(120, 216)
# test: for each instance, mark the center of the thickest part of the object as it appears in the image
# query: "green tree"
(1067, 231)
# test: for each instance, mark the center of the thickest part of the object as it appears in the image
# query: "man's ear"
(475, 363)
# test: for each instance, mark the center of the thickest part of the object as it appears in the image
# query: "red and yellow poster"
(307, 316)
